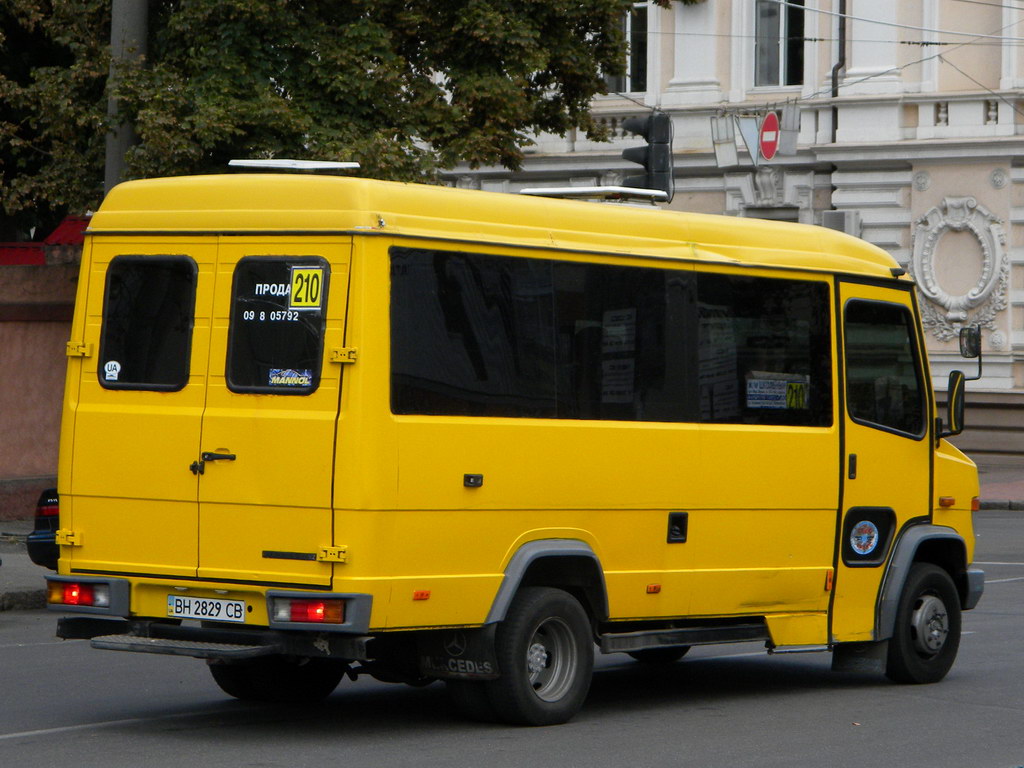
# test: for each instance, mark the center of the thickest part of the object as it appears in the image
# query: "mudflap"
(459, 654)
(866, 657)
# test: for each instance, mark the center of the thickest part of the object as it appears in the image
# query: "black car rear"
(42, 545)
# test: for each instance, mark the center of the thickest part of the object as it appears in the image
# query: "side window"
(483, 335)
(765, 351)
(275, 342)
(779, 43)
(883, 372)
(634, 29)
(148, 313)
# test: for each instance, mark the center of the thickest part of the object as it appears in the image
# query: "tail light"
(309, 611)
(48, 510)
(77, 593)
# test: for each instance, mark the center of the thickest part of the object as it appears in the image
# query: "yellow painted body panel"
(337, 468)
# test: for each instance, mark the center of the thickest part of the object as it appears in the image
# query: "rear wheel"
(546, 657)
(279, 678)
(657, 656)
(926, 638)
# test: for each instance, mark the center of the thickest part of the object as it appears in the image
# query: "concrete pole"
(129, 22)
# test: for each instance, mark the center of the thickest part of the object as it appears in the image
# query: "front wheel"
(279, 678)
(927, 634)
(546, 657)
(660, 656)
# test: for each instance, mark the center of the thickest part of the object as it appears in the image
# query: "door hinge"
(343, 355)
(78, 349)
(67, 538)
(332, 555)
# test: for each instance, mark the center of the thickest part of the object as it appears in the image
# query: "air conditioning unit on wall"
(845, 221)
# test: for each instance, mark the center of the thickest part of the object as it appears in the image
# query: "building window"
(634, 28)
(779, 43)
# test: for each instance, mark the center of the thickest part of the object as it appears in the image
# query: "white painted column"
(873, 51)
(694, 65)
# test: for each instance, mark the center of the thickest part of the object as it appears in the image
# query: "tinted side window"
(483, 335)
(765, 351)
(275, 344)
(148, 311)
(883, 373)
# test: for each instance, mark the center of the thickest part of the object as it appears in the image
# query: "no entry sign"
(769, 136)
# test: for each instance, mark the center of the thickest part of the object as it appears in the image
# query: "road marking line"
(1003, 581)
(979, 563)
(103, 724)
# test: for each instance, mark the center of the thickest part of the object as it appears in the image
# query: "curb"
(1011, 505)
(24, 600)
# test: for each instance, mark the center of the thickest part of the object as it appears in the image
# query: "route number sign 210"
(307, 288)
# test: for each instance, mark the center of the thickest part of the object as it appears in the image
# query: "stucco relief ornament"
(942, 313)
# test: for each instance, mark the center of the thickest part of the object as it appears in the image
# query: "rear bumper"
(43, 549)
(209, 642)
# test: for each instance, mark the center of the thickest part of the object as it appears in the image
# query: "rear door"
(268, 430)
(132, 502)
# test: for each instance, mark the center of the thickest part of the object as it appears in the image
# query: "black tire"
(545, 653)
(279, 679)
(660, 656)
(926, 637)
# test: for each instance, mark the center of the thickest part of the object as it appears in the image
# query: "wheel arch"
(566, 564)
(934, 544)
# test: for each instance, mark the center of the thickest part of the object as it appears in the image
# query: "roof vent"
(599, 193)
(303, 166)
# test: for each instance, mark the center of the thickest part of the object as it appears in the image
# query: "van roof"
(263, 203)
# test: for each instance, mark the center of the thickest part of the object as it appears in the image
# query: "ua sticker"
(864, 537)
(112, 370)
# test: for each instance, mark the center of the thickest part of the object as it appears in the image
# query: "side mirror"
(970, 342)
(954, 404)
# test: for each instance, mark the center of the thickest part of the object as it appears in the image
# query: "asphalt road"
(62, 703)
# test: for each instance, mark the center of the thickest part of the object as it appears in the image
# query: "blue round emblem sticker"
(864, 537)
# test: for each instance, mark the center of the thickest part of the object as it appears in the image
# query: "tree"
(405, 88)
(53, 69)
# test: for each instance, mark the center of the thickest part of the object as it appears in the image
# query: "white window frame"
(632, 81)
(778, 42)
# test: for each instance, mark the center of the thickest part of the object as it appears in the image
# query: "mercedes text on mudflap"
(322, 425)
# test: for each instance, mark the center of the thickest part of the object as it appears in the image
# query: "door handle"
(199, 467)
(217, 456)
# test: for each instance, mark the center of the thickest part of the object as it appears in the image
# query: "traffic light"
(656, 157)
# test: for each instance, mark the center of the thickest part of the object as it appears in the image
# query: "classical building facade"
(909, 128)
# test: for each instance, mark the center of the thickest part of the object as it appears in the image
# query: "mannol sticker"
(291, 377)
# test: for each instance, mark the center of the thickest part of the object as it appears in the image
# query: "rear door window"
(276, 336)
(148, 315)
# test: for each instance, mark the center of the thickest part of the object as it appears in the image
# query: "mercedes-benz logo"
(456, 644)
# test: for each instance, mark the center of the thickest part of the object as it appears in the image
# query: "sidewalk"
(22, 582)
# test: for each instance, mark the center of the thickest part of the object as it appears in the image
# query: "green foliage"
(405, 88)
(53, 69)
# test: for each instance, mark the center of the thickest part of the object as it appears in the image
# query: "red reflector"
(946, 501)
(317, 611)
(975, 504)
(421, 594)
(78, 594)
(653, 589)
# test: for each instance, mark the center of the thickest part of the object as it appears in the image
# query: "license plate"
(206, 608)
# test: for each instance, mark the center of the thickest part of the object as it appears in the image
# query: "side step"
(194, 648)
(625, 642)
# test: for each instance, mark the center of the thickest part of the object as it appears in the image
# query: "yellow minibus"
(318, 426)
